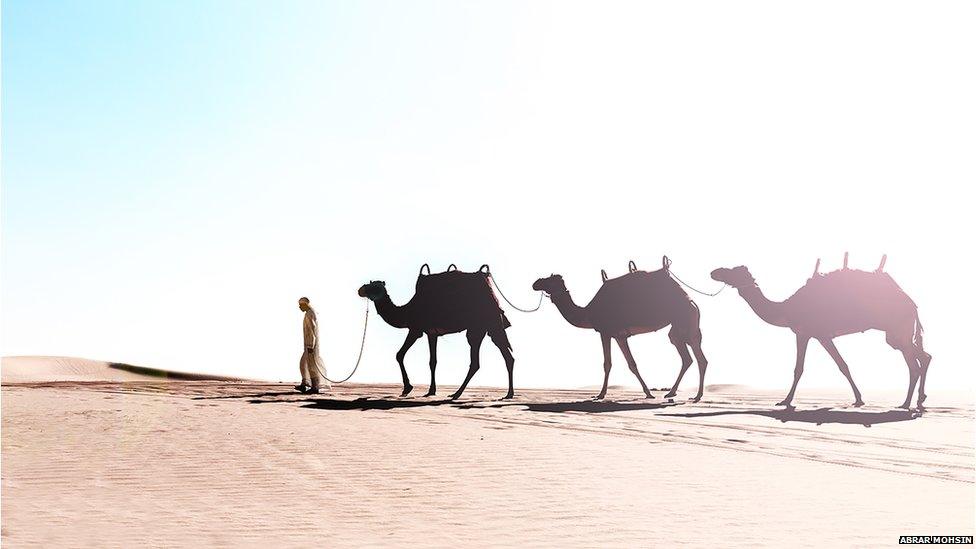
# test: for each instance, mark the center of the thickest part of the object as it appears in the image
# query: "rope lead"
(362, 345)
(494, 283)
(692, 288)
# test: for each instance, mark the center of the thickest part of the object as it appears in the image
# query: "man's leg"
(313, 370)
(303, 368)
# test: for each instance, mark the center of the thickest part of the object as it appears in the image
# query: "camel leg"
(685, 363)
(682, 347)
(625, 348)
(500, 339)
(801, 353)
(474, 339)
(923, 360)
(835, 354)
(605, 339)
(914, 371)
(692, 338)
(432, 343)
(702, 366)
(412, 337)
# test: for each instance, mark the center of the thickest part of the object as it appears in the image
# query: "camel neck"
(772, 312)
(573, 313)
(394, 315)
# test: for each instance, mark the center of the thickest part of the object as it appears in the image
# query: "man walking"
(310, 365)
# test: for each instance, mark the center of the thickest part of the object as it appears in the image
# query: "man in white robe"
(311, 365)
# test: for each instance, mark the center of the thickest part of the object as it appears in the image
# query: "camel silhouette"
(838, 303)
(446, 303)
(635, 303)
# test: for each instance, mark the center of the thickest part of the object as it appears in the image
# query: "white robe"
(311, 364)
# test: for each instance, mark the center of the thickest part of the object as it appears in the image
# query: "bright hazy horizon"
(176, 175)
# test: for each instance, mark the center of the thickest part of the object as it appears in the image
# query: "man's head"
(303, 303)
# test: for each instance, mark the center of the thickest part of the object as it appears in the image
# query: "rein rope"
(538, 305)
(692, 288)
(362, 345)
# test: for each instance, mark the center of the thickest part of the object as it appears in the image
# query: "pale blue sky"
(176, 174)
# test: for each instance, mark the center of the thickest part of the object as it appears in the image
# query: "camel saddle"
(457, 295)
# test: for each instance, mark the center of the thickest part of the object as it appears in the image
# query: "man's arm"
(309, 329)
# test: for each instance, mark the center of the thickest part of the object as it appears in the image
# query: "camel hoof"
(697, 398)
(905, 406)
(455, 396)
(648, 395)
(858, 403)
(509, 396)
(787, 403)
(600, 396)
(670, 394)
(431, 393)
(406, 390)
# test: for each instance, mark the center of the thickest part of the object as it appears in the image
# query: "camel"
(636, 303)
(838, 303)
(446, 303)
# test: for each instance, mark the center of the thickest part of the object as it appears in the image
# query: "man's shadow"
(818, 416)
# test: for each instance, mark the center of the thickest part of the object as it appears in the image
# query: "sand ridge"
(42, 369)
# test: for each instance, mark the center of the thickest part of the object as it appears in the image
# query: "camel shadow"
(585, 406)
(819, 416)
(255, 395)
(364, 404)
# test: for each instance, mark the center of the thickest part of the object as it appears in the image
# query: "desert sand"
(124, 461)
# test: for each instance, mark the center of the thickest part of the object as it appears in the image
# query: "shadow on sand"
(585, 406)
(254, 395)
(818, 416)
(363, 404)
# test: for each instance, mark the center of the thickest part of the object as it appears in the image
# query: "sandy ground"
(204, 463)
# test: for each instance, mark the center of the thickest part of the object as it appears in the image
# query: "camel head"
(737, 277)
(376, 289)
(551, 284)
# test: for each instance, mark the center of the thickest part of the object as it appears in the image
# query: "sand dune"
(43, 369)
(204, 463)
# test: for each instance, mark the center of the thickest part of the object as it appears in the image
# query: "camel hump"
(454, 282)
(451, 278)
(640, 282)
(456, 300)
(851, 286)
